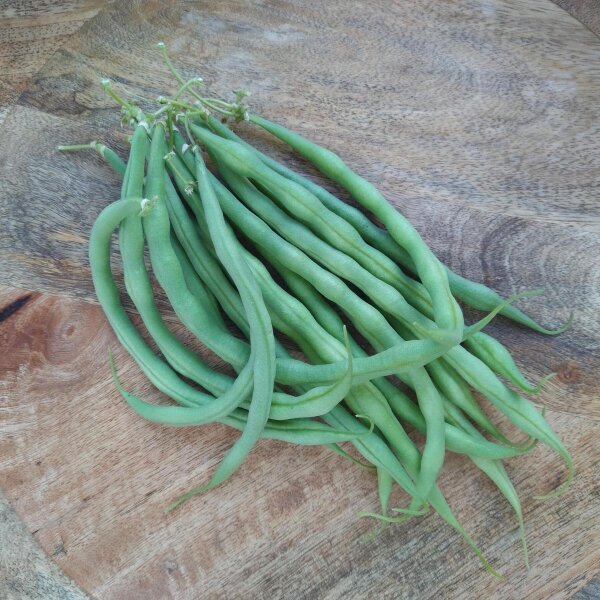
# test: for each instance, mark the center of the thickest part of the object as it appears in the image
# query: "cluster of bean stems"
(256, 248)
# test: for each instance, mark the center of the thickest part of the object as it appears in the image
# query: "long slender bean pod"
(476, 295)
(432, 273)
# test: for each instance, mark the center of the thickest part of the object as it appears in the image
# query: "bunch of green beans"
(252, 251)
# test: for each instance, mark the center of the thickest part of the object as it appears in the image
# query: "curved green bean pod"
(138, 285)
(168, 269)
(474, 294)
(157, 371)
(338, 232)
(403, 407)
(300, 431)
(387, 361)
(181, 416)
(497, 357)
(261, 332)
(316, 401)
(305, 432)
(432, 273)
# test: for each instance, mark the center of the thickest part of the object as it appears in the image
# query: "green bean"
(316, 401)
(300, 431)
(106, 153)
(456, 390)
(388, 361)
(402, 406)
(495, 470)
(138, 284)
(169, 273)
(476, 295)
(305, 432)
(447, 312)
(369, 196)
(261, 333)
(338, 232)
(155, 369)
(191, 415)
(497, 357)
(216, 382)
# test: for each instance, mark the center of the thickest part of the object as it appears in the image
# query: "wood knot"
(171, 566)
(568, 372)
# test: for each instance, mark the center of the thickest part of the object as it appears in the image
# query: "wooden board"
(480, 121)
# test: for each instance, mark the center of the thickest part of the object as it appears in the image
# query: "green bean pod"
(490, 351)
(300, 431)
(399, 357)
(262, 355)
(432, 273)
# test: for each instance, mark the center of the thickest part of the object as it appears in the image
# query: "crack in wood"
(13, 307)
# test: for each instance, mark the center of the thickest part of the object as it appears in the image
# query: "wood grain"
(479, 120)
(31, 31)
(585, 11)
(26, 573)
(284, 527)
